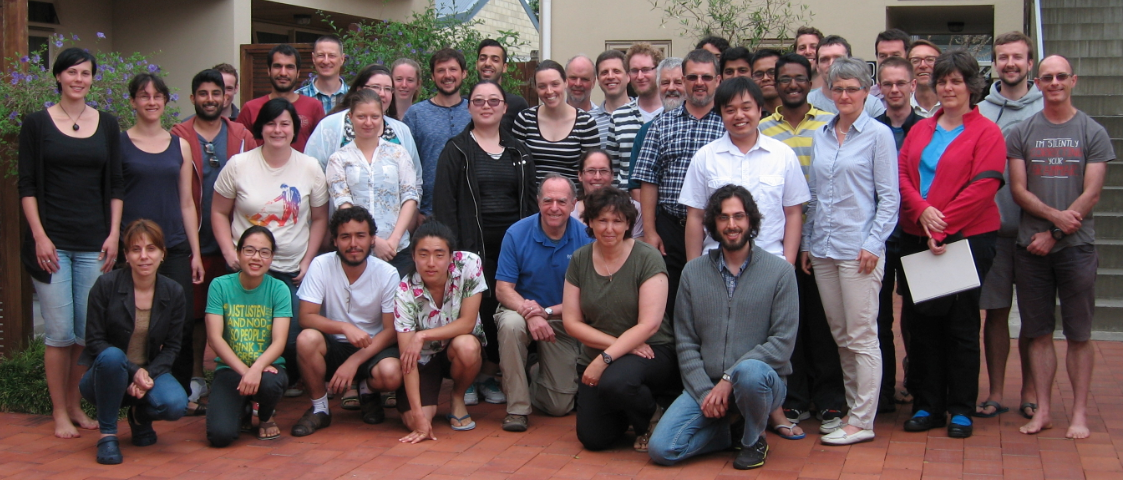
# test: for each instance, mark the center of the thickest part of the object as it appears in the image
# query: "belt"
(675, 218)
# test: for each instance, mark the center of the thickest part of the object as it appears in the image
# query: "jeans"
(289, 354)
(684, 432)
(625, 395)
(226, 407)
(105, 383)
(63, 301)
(177, 266)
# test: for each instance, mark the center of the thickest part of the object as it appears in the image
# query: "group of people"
(710, 259)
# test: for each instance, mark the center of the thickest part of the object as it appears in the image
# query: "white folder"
(933, 276)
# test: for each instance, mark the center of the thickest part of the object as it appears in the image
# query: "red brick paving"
(350, 449)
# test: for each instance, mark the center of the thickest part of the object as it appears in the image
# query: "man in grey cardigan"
(735, 325)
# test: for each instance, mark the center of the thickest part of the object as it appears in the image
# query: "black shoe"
(958, 430)
(143, 434)
(371, 406)
(923, 423)
(885, 404)
(109, 451)
(752, 457)
(310, 422)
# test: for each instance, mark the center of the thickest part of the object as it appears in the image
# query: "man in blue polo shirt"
(529, 284)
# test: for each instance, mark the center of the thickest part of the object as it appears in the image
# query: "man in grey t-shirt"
(1057, 162)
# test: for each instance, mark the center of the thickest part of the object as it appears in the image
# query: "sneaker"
(198, 389)
(295, 390)
(832, 420)
(795, 415)
(491, 391)
(753, 456)
(470, 397)
(515, 423)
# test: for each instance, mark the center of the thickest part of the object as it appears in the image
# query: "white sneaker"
(491, 391)
(470, 397)
(839, 437)
(198, 389)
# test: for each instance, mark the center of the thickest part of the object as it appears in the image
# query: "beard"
(576, 99)
(350, 263)
(1016, 82)
(702, 102)
(279, 89)
(199, 112)
(671, 103)
(454, 91)
(734, 246)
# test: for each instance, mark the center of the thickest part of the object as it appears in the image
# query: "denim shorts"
(63, 301)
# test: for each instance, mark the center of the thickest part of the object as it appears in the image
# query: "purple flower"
(35, 58)
(153, 69)
(97, 77)
(126, 95)
(100, 35)
(110, 69)
(109, 91)
(24, 59)
(13, 115)
(75, 36)
(174, 97)
(175, 114)
(58, 43)
(92, 103)
(48, 104)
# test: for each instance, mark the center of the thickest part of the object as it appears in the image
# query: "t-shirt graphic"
(290, 200)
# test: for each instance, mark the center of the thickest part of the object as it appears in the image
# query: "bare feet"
(64, 428)
(83, 421)
(1040, 422)
(1078, 428)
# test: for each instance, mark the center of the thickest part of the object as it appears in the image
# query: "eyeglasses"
(786, 80)
(212, 159)
(890, 85)
(644, 70)
(847, 90)
(736, 216)
(265, 253)
(764, 73)
(491, 102)
(595, 172)
(918, 60)
(379, 88)
(1047, 79)
(159, 97)
(694, 78)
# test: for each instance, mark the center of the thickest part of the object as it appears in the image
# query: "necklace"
(75, 127)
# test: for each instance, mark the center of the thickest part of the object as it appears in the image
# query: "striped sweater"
(799, 138)
(561, 156)
(626, 122)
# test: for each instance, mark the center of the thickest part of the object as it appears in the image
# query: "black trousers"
(673, 232)
(885, 321)
(816, 376)
(626, 395)
(177, 266)
(227, 406)
(944, 348)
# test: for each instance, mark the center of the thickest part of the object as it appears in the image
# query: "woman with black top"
(158, 170)
(555, 132)
(486, 181)
(71, 191)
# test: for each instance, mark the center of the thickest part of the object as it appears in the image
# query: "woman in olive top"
(248, 316)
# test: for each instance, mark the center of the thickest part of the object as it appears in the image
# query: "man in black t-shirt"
(491, 63)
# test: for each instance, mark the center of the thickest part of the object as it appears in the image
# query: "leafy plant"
(28, 86)
(426, 32)
(748, 23)
(23, 383)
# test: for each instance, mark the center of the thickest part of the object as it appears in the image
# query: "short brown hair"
(806, 31)
(895, 62)
(642, 48)
(609, 199)
(1013, 37)
(926, 43)
(143, 227)
(227, 69)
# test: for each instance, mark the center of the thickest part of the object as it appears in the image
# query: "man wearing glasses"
(217, 138)
(347, 312)
(627, 120)
(327, 86)
(764, 74)
(922, 56)
(833, 48)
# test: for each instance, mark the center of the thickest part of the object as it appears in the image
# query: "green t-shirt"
(248, 314)
(611, 304)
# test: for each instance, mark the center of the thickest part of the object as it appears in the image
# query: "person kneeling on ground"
(357, 289)
(133, 333)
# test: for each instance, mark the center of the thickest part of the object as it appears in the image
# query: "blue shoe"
(109, 451)
(491, 391)
(471, 397)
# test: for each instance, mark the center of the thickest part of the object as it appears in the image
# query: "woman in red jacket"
(943, 200)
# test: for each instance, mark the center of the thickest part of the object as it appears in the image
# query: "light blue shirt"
(932, 153)
(328, 100)
(854, 192)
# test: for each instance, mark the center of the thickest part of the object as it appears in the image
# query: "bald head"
(1056, 80)
(579, 81)
(1058, 61)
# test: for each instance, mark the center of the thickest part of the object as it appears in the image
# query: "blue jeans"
(63, 301)
(104, 385)
(684, 432)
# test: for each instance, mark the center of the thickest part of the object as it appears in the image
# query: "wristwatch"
(1058, 234)
(549, 311)
(726, 377)
(606, 357)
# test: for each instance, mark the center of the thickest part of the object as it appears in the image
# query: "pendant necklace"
(75, 127)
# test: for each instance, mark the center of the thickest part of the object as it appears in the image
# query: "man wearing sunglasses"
(216, 138)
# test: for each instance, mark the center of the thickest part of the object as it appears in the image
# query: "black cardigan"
(111, 317)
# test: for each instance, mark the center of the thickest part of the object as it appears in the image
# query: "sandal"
(390, 400)
(310, 422)
(463, 426)
(998, 409)
(791, 429)
(263, 429)
(1029, 405)
(198, 411)
(350, 400)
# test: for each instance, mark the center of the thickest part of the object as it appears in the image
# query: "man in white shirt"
(922, 56)
(765, 166)
(347, 311)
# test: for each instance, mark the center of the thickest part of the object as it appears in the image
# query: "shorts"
(1069, 274)
(998, 287)
(339, 351)
(64, 301)
(430, 375)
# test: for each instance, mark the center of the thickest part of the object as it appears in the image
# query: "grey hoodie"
(1008, 113)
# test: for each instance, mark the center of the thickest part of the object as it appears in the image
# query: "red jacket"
(238, 140)
(969, 210)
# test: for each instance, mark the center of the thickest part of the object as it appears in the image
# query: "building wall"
(381, 9)
(85, 18)
(509, 15)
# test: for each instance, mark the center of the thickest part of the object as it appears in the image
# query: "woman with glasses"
(556, 133)
(946, 196)
(595, 173)
(486, 179)
(71, 191)
(852, 212)
(248, 318)
(407, 86)
(158, 171)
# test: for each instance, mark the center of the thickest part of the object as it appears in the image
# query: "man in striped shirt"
(796, 120)
(642, 59)
(612, 75)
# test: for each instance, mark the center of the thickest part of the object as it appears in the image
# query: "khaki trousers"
(555, 385)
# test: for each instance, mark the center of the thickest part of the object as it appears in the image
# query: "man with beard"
(816, 377)
(436, 120)
(671, 142)
(832, 48)
(327, 86)
(491, 64)
(642, 59)
(284, 68)
(764, 74)
(735, 326)
(1012, 99)
(213, 139)
(580, 76)
(612, 75)
(672, 92)
(347, 312)
(922, 56)
(529, 284)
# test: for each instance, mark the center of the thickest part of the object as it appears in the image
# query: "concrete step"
(1113, 124)
(1109, 225)
(1083, 48)
(1104, 66)
(1050, 4)
(1099, 105)
(1111, 253)
(1098, 85)
(1109, 283)
(1111, 199)
(1082, 31)
(1114, 176)
(1082, 15)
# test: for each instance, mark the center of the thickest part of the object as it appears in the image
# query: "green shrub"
(23, 383)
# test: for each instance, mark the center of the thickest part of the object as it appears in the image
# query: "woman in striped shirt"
(555, 132)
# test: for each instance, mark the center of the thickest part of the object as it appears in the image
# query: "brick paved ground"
(350, 449)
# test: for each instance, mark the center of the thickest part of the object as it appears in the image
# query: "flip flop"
(263, 429)
(1022, 410)
(460, 420)
(998, 409)
(790, 428)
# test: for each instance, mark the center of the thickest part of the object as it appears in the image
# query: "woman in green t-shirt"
(248, 316)
(614, 303)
